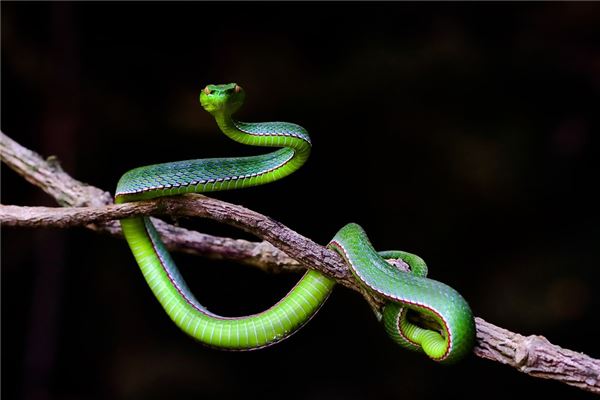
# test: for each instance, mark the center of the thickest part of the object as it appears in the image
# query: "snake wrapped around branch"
(404, 292)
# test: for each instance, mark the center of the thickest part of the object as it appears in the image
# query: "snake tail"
(410, 291)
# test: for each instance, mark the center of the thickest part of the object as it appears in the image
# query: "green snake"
(405, 292)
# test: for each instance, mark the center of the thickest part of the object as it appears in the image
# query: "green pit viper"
(404, 291)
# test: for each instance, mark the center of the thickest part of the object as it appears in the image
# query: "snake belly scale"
(404, 291)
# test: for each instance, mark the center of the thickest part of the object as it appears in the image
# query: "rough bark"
(281, 249)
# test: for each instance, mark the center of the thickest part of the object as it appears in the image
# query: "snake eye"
(237, 89)
(207, 90)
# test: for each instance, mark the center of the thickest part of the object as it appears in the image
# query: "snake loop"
(404, 291)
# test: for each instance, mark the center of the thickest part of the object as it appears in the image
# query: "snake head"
(225, 98)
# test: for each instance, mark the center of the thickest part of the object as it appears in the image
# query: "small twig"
(533, 355)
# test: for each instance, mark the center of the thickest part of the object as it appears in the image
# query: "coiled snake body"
(404, 291)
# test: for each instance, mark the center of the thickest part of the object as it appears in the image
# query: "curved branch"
(533, 355)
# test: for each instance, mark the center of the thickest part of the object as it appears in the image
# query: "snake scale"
(405, 292)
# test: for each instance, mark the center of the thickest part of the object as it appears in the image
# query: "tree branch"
(281, 249)
(67, 191)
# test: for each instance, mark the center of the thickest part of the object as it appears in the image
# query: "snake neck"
(292, 138)
(267, 134)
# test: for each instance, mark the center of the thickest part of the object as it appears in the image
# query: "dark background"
(462, 132)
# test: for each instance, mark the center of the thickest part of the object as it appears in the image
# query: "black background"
(462, 132)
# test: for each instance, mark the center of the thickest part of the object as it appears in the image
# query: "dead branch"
(281, 249)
